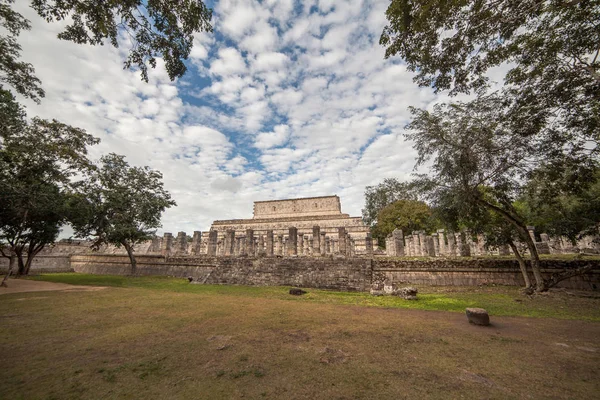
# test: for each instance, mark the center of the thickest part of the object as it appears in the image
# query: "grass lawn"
(153, 337)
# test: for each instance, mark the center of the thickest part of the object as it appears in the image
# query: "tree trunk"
(31, 253)
(522, 264)
(20, 263)
(540, 284)
(11, 267)
(131, 257)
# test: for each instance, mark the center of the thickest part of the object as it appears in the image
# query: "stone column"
(436, 244)
(301, 244)
(156, 244)
(442, 242)
(334, 246)
(212, 243)
(229, 242)
(292, 248)
(342, 241)
(531, 230)
(181, 243)
(423, 243)
(322, 248)
(250, 242)
(398, 237)
(470, 244)
(451, 244)
(430, 246)
(167, 244)
(279, 245)
(462, 245)
(269, 249)
(315, 242)
(261, 245)
(196, 240)
(369, 245)
(503, 250)
(481, 245)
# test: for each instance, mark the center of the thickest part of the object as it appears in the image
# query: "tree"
(18, 74)
(37, 162)
(552, 48)
(407, 215)
(152, 28)
(562, 212)
(385, 193)
(120, 205)
(479, 162)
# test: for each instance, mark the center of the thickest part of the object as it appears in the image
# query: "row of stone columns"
(269, 244)
(445, 243)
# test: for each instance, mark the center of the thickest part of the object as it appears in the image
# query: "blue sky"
(283, 100)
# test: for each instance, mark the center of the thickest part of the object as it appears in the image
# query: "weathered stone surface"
(375, 292)
(407, 293)
(302, 213)
(297, 291)
(478, 316)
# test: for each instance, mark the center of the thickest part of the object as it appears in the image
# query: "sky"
(283, 100)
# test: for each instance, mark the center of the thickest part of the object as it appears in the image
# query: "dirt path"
(25, 285)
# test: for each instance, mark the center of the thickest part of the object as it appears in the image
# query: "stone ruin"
(463, 244)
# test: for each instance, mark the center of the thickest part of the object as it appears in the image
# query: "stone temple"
(310, 216)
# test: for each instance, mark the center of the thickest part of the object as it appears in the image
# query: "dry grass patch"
(212, 344)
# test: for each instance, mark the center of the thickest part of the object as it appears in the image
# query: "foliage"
(120, 204)
(155, 28)
(563, 212)
(478, 163)
(18, 74)
(407, 215)
(551, 45)
(385, 193)
(37, 161)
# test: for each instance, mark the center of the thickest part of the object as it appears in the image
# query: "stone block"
(478, 316)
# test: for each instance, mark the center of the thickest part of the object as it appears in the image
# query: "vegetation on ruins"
(152, 29)
(120, 205)
(383, 194)
(566, 213)
(479, 164)
(38, 160)
(407, 215)
(535, 140)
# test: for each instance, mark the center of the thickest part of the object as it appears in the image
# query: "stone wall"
(325, 273)
(474, 272)
(44, 263)
(308, 206)
(347, 274)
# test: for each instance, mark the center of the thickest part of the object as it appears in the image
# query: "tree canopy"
(550, 47)
(151, 29)
(407, 215)
(120, 204)
(38, 160)
(383, 194)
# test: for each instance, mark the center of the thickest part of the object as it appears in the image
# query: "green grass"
(497, 300)
(162, 338)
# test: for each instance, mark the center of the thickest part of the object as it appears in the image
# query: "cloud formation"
(283, 100)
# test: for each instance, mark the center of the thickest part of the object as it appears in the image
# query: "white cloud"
(297, 104)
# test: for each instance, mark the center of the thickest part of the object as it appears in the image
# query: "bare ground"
(140, 343)
(24, 286)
